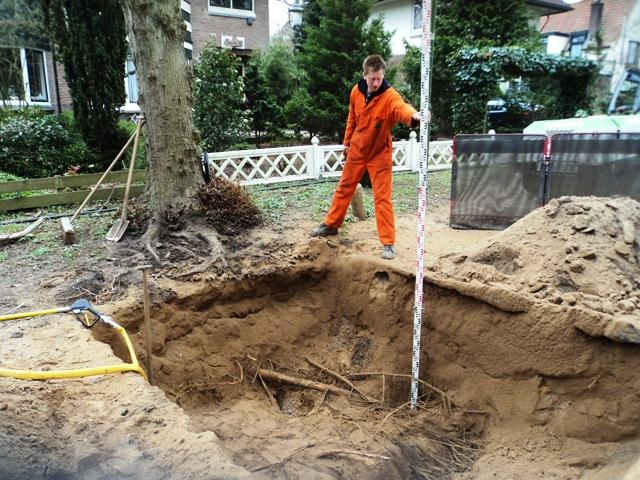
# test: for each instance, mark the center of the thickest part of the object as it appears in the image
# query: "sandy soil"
(531, 332)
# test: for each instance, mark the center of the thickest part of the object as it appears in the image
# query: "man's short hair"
(375, 63)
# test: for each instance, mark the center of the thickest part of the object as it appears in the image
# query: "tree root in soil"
(451, 451)
(301, 382)
(447, 401)
(282, 462)
(341, 378)
(332, 453)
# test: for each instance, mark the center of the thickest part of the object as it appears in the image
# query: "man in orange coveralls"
(374, 108)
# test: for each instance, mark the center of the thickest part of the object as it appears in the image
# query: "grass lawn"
(310, 200)
(313, 200)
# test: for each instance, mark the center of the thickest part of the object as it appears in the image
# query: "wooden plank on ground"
(64, 198)
(69, 181)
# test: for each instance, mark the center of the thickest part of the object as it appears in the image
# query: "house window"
(417, 15)
(633, 54)
(232, 8)
(132, 81)
(23, 76)
(576, 43)
(237, 4)
(37, 74)
(11, 86)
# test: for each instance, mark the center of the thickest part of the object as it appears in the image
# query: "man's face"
(374, 79)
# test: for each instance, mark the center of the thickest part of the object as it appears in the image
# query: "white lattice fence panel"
(260, 166)
(303, 162)
(400, 155)
(440, 155)
(332, 159)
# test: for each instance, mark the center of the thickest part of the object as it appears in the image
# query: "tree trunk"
(156, 36)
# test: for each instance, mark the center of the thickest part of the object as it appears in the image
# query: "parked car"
(510, 115)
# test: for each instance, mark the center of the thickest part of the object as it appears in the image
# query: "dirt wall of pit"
(519, 359)
(532, 367)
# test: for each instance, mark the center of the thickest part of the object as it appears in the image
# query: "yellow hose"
(78, 373)
(17, 316)
(84, 372)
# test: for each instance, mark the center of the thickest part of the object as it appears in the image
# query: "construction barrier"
(498, 179)
(601, 165)
(495, 179)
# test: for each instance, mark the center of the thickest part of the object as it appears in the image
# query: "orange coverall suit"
(368, 136)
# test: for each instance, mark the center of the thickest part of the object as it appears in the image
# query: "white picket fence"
(271, 165)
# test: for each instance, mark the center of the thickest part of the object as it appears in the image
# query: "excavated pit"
(508, 362)
(352, 317)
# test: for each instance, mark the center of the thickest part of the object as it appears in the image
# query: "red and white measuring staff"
(425, 86)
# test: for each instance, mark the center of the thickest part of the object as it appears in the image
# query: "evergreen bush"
(331, 50)
(219, 105)
(33, 146)
(91, 40)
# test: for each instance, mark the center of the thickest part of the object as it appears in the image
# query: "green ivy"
(563, 82)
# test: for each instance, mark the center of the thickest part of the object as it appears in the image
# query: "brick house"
(404, 19)
(607, 31)
(30, 71)
(241, 25)
(29, 76)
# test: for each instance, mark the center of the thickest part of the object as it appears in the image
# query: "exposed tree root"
(341, 378)
(285, 459)
(331, 453)
(301, 382)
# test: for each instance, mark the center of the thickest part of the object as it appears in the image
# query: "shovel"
(117, 230)
(67, 223)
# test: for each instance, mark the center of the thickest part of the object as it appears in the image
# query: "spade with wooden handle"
(117, 230)
(67, 223)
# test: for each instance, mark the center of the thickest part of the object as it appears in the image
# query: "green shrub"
(219, 110)
(29, 113)
(272, 77)
(8, 177)
(40, 146)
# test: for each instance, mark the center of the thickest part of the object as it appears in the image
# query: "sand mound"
(582, 252)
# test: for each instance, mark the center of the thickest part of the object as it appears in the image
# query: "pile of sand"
(582, 252)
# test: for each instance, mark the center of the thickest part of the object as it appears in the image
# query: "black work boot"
(323, 231)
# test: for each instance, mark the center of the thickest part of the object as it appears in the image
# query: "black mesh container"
(603, 165)
(496, 179)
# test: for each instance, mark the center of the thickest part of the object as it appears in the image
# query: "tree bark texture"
(156, 36)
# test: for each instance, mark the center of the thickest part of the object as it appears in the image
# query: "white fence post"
(314, 159)
(414, 157)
